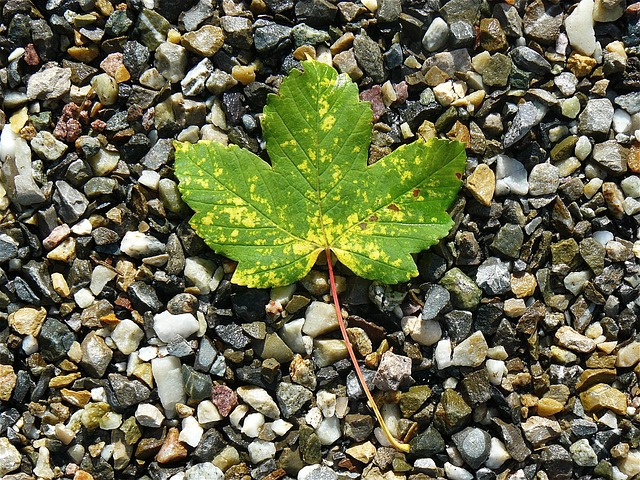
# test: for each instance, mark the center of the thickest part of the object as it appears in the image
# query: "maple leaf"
(319, 193)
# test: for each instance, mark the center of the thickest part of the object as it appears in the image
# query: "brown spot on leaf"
(373, 218)
(416, 192)
(393, 207)
(363, 225)
(459, 175)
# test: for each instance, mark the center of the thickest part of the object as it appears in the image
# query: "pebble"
(206, 41)
(9, 456)
(167, 326)
(474, 446)
(138, 245)
(167, 374)
(436, 35)
(543, 179)
(482, 184)
(511, 177)
(493, 276)
(260, 450)
(424, 332)
(149, 415)
(191, 432)
(259, 399)
(471, 352)
(320, 318)
(569, 338)
(579, 25)
(49, 83)
(596, 117)
(171, 61)
(127, 336)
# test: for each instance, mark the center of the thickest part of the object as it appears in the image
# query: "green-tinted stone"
(131, 431)
(274, 347)
(198, 386)
(564, 149)
(92, 414)
(451, 413)
(427, 443)
(446, 120)
(565, 251)
(290, 461)
(152, 28)
(520, 79)
(310, 446)
(498, 70)
(412, 400)
(400, 465)
(508, 240)
(593, 253)
(118, 23)
(465, 294)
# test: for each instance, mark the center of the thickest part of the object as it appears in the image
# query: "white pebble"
(259, 451)
(574, 281)
(146, 354)
(238, 413)
(127, 336)
(496, 370)
(260, 400)
(291, 334)
(621, 121)
(425, 332)
(29, 344)
(443, 354)
(579, 26)
(329, 430)
(436, 35)
(252, 424)
(326, 402)
(167, 326)
(511, 176)
(603, 236)
(497, 455)
(43, 466)
(149, 415)
(583, 148)
(280, 427)
(100, 276)
(83, 227)
(631, 186)
(208, 413)
(137, 245)
(313, 417)
(83, 298)
(167, 373)
(456, 473)
(191, 431)
(203, 274)
(149, 179)
(319, 319)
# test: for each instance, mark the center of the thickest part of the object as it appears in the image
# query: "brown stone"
(482, 184)
(633, 159)
(172, 449)
(592, 376)
(603, 396)
(580, 65)
(27, 320)
(8, 380)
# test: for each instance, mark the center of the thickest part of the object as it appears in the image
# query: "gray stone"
(393, 372)
(238, 31)
(71, 203)
(596, 117)
(128, 392)
(270, 37)
(474, 445)
(49, 83)
(96, 355)
(369, 57)
(435, 300)
(542, 23)
(528, 116)
(55, 340)
(543, 179)
(509, 19)
(530, 60)
(629, 102)
(611, 155)
(291, 398)
(427, 443)
(198, 386)
(493, 276)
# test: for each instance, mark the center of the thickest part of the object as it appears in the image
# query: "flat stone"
(603, 396)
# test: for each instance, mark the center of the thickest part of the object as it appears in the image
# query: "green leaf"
(318, 192)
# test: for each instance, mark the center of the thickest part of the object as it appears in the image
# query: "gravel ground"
(126, 353)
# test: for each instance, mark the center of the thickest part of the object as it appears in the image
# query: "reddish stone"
(374, 97)
(31, 57)
(224, 399)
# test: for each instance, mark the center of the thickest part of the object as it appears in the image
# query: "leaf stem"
(403, 447)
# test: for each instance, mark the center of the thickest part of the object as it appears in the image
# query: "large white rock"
(319, 318)
(167, 372)
(167, 326)
(127, 336)
(579, 26)
(260, 400)
(138, 245)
